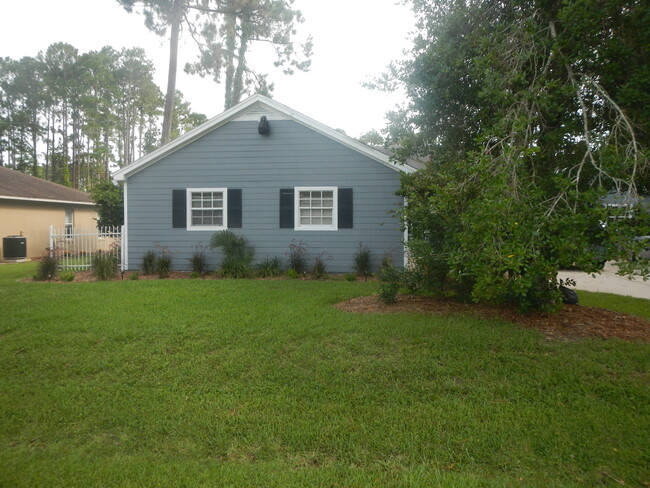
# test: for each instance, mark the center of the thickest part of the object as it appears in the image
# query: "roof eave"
(47, 200)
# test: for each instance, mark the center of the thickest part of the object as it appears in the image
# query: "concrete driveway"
(609, 282)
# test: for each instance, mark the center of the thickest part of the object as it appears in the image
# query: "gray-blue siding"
(236, 156)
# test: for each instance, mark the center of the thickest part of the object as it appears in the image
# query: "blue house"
(272, 175)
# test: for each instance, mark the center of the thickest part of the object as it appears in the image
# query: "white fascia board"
(46, 200)
(221, 119)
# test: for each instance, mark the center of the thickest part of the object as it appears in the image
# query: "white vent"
(256, 112)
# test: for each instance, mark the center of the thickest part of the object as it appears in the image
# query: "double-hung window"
(207, 208)
(316, 208)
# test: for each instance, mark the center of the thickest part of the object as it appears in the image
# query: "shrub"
(362, 261)
(149, 262)
(320, 270)
(103, 266)
(292, 273)
(270, 266)
(135, 276)
(238, 255)
(48, 267)
(67, 275)
(298, 257)
(389, 283)
(198, 262)
(350, 277)
(163, 266)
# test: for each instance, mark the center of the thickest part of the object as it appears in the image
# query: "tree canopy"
(527, 113)
(68, 116)
(224, 31)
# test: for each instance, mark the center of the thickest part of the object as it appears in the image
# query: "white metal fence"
(75, 248)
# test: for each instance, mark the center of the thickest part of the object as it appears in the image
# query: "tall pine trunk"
(171, 75)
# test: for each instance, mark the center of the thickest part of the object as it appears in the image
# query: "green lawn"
(205, 383)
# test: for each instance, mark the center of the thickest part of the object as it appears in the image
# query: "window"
(69, 222)
(207, 208)
(316, 208)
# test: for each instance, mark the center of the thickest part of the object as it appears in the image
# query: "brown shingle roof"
(14, 184)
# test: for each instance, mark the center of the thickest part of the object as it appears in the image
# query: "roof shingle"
(14, 184)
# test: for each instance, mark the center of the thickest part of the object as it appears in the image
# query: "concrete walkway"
(609, 282)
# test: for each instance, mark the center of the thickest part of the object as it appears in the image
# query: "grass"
(242, 383)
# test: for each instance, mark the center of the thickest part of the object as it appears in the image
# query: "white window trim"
(188, 205)
(69, 226)
(296, 208)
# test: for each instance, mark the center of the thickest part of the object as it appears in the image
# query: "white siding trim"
(125, 228)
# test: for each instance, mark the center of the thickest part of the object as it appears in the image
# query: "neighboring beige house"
(29, 205)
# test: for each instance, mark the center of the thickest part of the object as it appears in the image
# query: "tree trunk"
(231, 43)
(171, 76)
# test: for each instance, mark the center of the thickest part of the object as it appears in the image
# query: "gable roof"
(15, 185)
(251, 109)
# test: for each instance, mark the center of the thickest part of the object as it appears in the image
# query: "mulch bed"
(570, 323)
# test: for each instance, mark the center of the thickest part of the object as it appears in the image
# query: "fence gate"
(75, 247)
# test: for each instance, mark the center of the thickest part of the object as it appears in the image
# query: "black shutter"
(179, 209)
(234, 208)
(346, 213)
(286, 208)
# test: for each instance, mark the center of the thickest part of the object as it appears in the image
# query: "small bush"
(362, 261)
(389, 283)
(271, 266)
(48, 267)
(350, 277)
(149, 262)
(104, 266)
(238, 254)
(199, 262)
(67, 275)
(163, 266)
(298, 257)
(292, 273)
(194, 274)
(320, 270)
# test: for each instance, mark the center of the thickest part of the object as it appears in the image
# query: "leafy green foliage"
(525, 127)
(90, 109)
(298, 257)
(148, 265)
(48, 267)
(67, 275)
(104, 266)
(198, 262)
(163, 265)
(110, 200)
(389, 283)
(363, 261)
(320, 268)
(269, 267)
(238, 254)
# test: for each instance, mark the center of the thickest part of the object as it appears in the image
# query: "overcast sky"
(354, 41)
